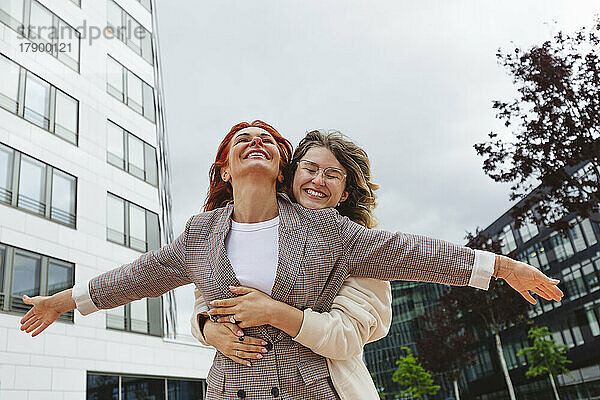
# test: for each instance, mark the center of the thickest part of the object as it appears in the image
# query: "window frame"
(127, 224)
(53, 90)
(149, 152)
(136, 45)
(48, 187)
(8, 267)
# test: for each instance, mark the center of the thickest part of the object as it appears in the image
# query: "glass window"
(102, 387)
(60, 277)
(32, 185)
(6, 172)
(139, 316)
(68, 41)
(561, 246)
(115, 318)
(592, 320)
(137, 227)
(573, 282)
(577, 237)
(136, 157)
(115, 219)
(37, 101)
(115, 154)
(9, 84)
(135, 388)
(150, 162)
(146, 4)
(183, 390)
(528, 230)
(11, 12)
(41, 25)
(508, 240)
(147, 46)
(589, 232)
(152, 231)
(114, 81)
(2, 253)
(26, 275)
(63, 197)
(149, 111)
(134, 37)
(67, 116)
(590, 276)
(134, 92)
(114, 16)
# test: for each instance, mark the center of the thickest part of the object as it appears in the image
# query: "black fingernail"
(241, 338)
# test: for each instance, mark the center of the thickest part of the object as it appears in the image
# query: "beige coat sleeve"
(200, 307)
(361, 313)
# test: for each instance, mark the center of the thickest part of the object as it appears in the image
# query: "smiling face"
(314, 191)
(253, 151)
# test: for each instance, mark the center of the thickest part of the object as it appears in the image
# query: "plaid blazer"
(318, 249)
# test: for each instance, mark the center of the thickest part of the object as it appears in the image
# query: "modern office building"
(575, 260)
(84, 187)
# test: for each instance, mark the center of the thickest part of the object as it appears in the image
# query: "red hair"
(221, 192)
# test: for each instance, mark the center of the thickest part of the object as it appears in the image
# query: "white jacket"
(361, 313)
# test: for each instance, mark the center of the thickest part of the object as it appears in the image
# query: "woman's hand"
(241, 349)
(250, 308)
(524, 278)
(254, 308)
(45, 310)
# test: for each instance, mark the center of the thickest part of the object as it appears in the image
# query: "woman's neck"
(254, 202)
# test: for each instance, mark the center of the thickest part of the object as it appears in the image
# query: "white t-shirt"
(253, 251)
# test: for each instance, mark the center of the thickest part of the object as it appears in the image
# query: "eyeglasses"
(330, 174)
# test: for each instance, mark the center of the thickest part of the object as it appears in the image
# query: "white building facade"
(84, 187)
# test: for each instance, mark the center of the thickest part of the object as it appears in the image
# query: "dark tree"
(491, 311)
(445, 344)
(554, 122)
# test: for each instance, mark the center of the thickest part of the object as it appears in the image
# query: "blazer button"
(241, 394)
(275, 392)
(269, 346)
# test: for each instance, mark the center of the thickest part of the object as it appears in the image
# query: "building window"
(27, 273)
(30, 97)
(528, 230)
(508, 240)
(37, 101)
(9, 84)
(35, 22)
(131, 225)
(141, 316)
(37, 185)
(11, 13)
(77, 2)
(592, 313)
(131, 154)
(119, 387)
(130, 89)
(561, 246)
(146, 3)
(573, 282)
(129, 31)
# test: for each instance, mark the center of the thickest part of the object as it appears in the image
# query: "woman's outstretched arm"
(400, 256)
(151, 275)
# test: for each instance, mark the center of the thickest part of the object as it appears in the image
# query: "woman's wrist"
(287, 318)
(63, 301)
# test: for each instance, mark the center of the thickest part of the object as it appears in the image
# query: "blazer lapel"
(292, 239)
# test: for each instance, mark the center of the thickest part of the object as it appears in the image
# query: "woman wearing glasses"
(326, 170)
(301, 257)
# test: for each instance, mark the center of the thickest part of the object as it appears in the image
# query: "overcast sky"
(411, 82)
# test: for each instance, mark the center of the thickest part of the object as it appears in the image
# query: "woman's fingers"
(241, 290)
(28, 315)
(225, 302)
(40, 329)
(34, 326)
(233, 328)
(248, 355)
(28, 323)
(540, 291)
(527, 296)
(239, 360)
(222, 311)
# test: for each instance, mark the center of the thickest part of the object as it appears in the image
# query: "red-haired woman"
(316, 250)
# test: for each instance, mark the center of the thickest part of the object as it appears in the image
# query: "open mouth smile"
(314, 193)
(257, 153)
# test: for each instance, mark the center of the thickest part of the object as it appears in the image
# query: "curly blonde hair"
(361, 201)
